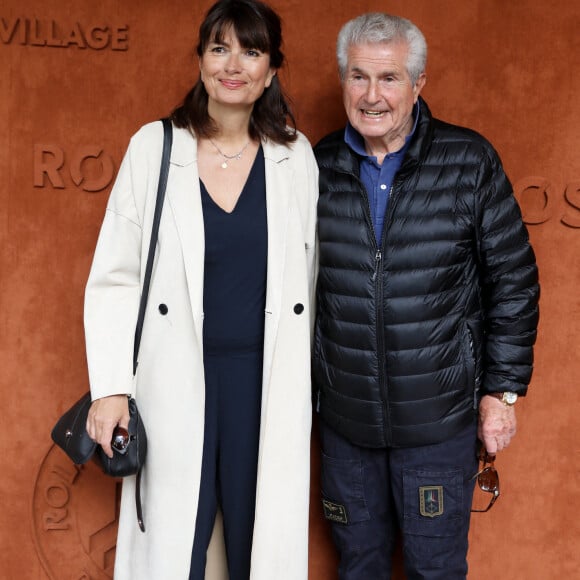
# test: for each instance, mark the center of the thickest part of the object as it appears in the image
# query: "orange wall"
(78, 78)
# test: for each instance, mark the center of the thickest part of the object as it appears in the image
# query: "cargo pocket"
(343, 498)
(432, 502)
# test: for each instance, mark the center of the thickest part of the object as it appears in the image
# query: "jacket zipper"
(380, 333)
(380, 317)
(475, 373)
(380, 327)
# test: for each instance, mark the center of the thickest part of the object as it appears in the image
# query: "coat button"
(163, 309)
(298, 308)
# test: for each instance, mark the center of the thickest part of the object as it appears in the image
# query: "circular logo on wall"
(75, 512)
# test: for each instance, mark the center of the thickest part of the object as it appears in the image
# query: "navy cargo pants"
(369, 496)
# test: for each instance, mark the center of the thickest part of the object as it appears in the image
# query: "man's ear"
(419, 86)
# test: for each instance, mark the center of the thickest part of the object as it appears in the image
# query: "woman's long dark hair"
(257, 26)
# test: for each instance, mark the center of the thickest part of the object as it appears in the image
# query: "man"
(427, 312)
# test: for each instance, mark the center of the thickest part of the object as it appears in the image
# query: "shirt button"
(383, 186)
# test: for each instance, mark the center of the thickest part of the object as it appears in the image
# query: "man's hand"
(104, 415)
(497, 424)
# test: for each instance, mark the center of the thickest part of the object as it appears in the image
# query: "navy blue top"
(378, 179)
(236, 251)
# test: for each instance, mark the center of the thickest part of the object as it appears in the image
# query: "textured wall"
(78, 78)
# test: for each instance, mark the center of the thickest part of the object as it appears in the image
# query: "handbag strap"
(163, 175)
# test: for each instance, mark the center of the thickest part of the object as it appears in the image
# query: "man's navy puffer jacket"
(410, 333)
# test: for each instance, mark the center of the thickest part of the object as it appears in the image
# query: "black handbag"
(71, 436)
(70, 432)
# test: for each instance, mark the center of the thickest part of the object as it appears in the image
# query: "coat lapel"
(279, 182)
(184, 200)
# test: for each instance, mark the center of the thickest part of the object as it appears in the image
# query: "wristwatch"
(508, 398)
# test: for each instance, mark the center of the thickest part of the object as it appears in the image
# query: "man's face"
(379, 96)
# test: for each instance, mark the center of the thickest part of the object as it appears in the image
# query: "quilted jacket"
(412, 331)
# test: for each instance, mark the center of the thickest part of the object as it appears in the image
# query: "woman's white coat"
(169, 384)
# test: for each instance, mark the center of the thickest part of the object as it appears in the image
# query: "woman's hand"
(104, 415)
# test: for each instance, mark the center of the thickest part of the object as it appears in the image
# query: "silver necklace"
(227, 158)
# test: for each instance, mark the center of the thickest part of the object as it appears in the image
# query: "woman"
(223, 382)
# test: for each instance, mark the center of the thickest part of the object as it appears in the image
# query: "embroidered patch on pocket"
(431, 500)
(334, 512)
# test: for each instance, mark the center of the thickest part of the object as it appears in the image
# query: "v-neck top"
(236, 252)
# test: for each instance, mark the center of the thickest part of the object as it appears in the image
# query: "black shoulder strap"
(163, 174)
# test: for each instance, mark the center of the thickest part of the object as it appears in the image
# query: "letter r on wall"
(48, 159)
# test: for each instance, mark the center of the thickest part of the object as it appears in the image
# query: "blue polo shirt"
(378, 179)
